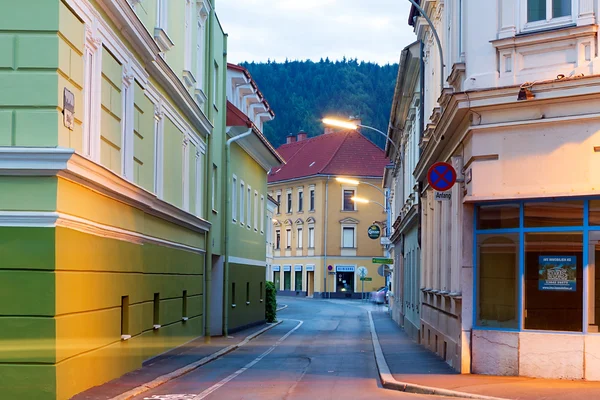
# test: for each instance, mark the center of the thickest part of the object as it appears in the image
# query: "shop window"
(497, 280)
(498, 216)
(247, 292)
(559, 213)
(594, 213)
(554, 281)
(233, 293)
(594, 279)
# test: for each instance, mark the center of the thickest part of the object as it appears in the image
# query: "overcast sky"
(370, 30)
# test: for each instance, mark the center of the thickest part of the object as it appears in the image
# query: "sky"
(369, 30)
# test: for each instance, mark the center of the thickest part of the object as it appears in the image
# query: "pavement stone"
(412, 363)
(163, 364)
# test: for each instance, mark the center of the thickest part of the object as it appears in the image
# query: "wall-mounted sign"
(441, 176)
(558, 273)
(276, 268)
(298, 268)
(366, 279)
(378, 260)
(344, 269)
(374, 231)
(443, 196)
(287, 268)
(330, 268)
(310, 268)
(68, 109)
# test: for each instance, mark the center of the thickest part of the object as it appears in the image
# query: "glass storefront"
(535, 265)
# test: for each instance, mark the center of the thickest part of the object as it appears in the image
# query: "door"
(310, 283)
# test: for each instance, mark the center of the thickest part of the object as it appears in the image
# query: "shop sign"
(443, 196)
(344, 269)
(298, 268)
(377, 260)
(287, 268)
(276, 268)
(310, 268)
(374, 231)
(558, 273)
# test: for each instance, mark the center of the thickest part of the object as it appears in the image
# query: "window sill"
(189, 79)
(349, 248)
(348, 211)
(300, 212)
(162, 39)
(543, 36)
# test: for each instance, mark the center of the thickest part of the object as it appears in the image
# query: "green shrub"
(271, 306)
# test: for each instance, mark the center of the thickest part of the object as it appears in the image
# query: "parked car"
(380, 296)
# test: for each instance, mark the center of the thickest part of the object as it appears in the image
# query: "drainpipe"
(208, 243)
(325, 271)
(227, 223)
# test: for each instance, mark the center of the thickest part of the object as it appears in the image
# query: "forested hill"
(303, 92)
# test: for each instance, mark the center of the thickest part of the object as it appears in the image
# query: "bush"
(271, 306)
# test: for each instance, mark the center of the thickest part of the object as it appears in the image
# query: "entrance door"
(277, 280)
(310, 283)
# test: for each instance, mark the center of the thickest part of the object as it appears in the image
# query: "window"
(555, 213)
(312, 199)
(300, 201)
(311, 238)
(348, 203)
(277, 239)
(233, 293)
(215, 91)
(247, 292)
(288, 239)
(497, 271)
(260, 293)
(249, 206)
(545, 10)
(162, 14)
(278, 204)
(184, 310)
(214, 188)
(156, 311)
(242, 202)
(299, 238)
(234, 199)
(498, 216)
(348, 237)
(298, 278)
(255, 211)
(289, 202)
(262, 214)
(200, 50)
(124, 315)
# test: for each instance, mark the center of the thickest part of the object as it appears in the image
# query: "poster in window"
(558, 273)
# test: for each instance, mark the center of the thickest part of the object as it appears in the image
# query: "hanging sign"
(374, 231)
(558, 273)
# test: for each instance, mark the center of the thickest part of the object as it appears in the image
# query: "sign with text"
(374, 231)
(443, 196)
(366, 279)
(287, 268)
(558, 273)
(382, 261)
(344, 269)
(298, 268)
(276, 268)
(310, 268)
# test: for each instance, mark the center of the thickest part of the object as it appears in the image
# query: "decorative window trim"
(549, 22)
(355, 189)
(342, 227)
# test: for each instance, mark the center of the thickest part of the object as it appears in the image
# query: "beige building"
(319, 233)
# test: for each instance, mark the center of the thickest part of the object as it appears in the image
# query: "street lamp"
(367, 201)
(353, 126)
(356, 183)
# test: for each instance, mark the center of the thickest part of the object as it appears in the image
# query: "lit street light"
(353, 126)
(356, 183)
(367, 201)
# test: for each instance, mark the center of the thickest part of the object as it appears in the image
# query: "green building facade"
(112, 144)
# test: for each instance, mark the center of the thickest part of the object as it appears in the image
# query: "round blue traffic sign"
(441, 176)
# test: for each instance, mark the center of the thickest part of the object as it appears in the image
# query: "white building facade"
(508, 282)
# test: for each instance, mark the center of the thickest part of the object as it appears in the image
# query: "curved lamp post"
(353, 126)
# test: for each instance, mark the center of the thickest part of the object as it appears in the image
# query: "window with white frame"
(202, 15)
(262, 214)
(162, 14)
(547, 13)
(312, 199)
(278, 239)
(255, 211)
(349, 237)
(288, 238)
(289, 202)
(347, 203)
(249, 207)
(187, 45)
(215, 91)
(311, 237)
(242, 207)
(278, 203)
(234, 199)
(300, 200)
(200, 184)
(299, 232)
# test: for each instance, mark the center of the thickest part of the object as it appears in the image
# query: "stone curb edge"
(282, 307)
(389, 382)
(190, 367)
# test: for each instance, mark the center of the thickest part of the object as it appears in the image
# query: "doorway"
(345, 282)
(277, 280)
(310, 283)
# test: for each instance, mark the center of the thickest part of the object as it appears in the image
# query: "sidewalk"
(166, 363)
(411, 363)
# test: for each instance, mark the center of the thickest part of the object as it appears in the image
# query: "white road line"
(240, 371)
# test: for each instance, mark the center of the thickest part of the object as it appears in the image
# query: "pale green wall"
(176, 31)
(146, 12)
(173, 165)
(247, 243)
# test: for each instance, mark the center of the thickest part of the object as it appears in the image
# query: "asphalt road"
(322, 350)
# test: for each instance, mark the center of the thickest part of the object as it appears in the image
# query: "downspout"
(422, 99)
(226, 230)
(209, 240)
(325, 271)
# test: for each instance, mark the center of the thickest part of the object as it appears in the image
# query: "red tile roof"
(340, 153)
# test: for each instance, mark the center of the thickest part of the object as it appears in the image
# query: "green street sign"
(366, 278)
(382, 261)
(374, 231)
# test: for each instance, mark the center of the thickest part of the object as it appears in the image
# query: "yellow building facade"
(320, 236)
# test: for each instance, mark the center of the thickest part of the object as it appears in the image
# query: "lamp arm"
(381, 133)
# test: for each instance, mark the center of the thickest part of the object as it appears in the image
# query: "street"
(322, 350)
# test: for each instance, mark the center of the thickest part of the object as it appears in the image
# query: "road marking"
(240, 371)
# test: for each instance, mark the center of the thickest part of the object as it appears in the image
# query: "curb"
(389, 382)
(190, 367)
(282, 307)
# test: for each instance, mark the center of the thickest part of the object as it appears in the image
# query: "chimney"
(302, 136)
(290, 138)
